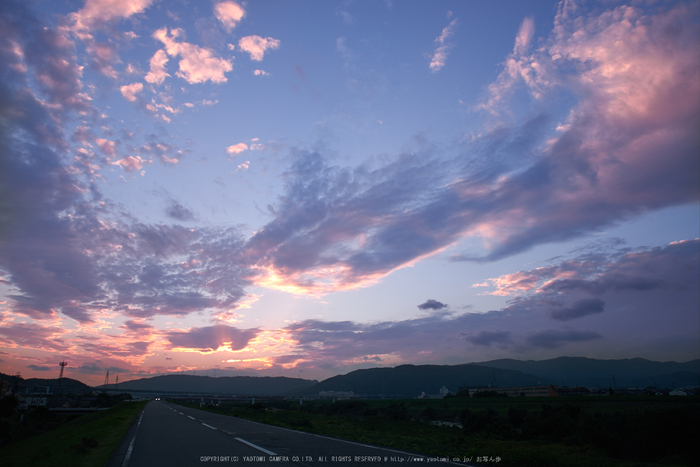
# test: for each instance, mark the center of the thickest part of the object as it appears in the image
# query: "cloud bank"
(628, 144)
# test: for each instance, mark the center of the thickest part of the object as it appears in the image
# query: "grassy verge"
(586, 432)
(86, 441)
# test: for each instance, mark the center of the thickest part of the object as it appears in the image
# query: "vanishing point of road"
(172, 435)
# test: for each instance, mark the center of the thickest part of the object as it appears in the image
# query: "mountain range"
(413, 380)
(626, 373)
(259, 385)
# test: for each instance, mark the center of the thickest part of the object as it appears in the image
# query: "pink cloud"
(236, 149)
(440, 54)
(103, 56)
(157, 73)
(129, 91)
(34, 336)
(97, 12)
(131, 163)
(229, 13)
(519, 67)
(256, 46)
(108, 147)
(197, 65)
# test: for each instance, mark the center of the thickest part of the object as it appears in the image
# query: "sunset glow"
(308, 188)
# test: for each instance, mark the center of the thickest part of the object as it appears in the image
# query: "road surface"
(172, 435)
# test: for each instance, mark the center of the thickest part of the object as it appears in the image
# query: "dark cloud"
(488, 338)
(625, 273)
(432, 305)
(334, 342)
(556, 338)
(212, 337)
(177, 211)
(579, 308)
(90, 369)
(95, 369)
(137, 326)
(39, 368)
(523, 327)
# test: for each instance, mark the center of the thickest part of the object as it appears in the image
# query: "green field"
(576, 431)
(87, 440)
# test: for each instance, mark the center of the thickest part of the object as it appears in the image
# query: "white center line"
(189, 416)
(127, 457)
(269, 453)
(208, 426)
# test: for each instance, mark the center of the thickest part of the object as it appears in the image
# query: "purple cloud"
(601, 166)
(524, 326)
(556, 338)
(95, 369)
(210, 338)
(577, 309)
(432, 305)
(488, 338)
(664, 270)
(34, 336)
(177, 211)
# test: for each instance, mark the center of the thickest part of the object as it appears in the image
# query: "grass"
(85, 441)
(578, 432)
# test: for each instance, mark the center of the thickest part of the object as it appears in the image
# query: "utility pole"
(62, 364)
(14, 387)
(106, 381)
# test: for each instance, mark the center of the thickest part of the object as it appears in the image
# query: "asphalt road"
(171, 435)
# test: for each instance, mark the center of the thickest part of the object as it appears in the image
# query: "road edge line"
(127, 456)
(269, 453)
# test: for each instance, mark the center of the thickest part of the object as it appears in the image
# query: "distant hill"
(257, 385)
(580, 371)
(412, 380)
(40, 384)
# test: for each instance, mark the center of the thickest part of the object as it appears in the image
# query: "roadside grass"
(522, 432)
(85, 441)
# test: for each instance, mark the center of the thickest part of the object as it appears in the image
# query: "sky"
(308, 188)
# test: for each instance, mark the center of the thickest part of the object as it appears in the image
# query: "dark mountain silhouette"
(36, 385)
(413, 380)
(580, 371)
(223, 385)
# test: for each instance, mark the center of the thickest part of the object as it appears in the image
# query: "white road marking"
(269, 453)
(208, 426)
(127, 457)
(335, 439)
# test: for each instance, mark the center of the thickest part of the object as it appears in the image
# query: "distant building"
(336, 394)
(579, 391)
(28, 402)
(522, 391)
(443, 392)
